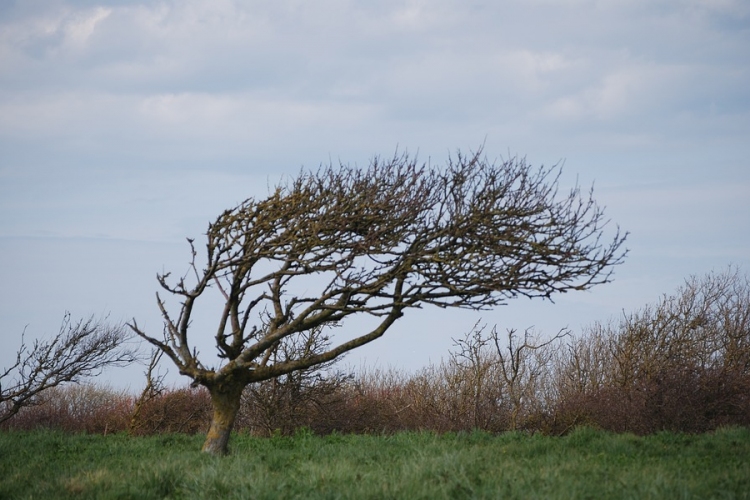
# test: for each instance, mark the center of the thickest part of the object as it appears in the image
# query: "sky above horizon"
(126, 126)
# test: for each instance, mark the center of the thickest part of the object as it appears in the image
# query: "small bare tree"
(154, 388)
(343, 241)
(523, 364)
(470, 376)
(504, 379)
(79, 350)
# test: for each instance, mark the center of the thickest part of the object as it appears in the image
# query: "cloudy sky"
(126, 126)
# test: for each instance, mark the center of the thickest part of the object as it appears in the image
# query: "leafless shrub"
(185, 410)
(295, 400)
(154, 387)
(497, 383)
(470, 383)
(682, 364)
(76, 408)
(484, 384)
(387, 400)
(524, 367)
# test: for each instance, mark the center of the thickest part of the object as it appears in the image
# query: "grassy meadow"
(587, 463)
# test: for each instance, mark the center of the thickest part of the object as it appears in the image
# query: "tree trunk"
(225, 399)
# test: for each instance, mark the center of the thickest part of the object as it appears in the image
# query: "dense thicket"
(681, 364)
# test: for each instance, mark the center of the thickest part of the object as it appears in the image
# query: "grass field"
(585, 464)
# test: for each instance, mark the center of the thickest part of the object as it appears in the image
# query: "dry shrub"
(442, 398)
(496, 382)
(94, 409)
(76, 408)
(187, 410)
(487, 383)
(305, 398)
(470, 395)
(681, 365)
(388, 401)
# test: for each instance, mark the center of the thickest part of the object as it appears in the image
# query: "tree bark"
(225, 399)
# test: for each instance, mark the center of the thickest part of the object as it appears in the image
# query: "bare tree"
(523, 365)
(503, 381)
(79, 350)
(154, 388)
(343, 241)
(470, 376)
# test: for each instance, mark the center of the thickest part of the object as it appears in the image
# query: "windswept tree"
(343, 241)
(80, 349)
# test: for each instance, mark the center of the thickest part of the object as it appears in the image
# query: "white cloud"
(57, 32)
(623, 92)
(79, 29)
(243, 116)
(215, 69)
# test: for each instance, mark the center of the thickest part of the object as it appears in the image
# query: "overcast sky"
(127, 126)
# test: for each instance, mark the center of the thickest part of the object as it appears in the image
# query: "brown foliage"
(683, 364)
(186, 410)
(75, 408)
(300, 399)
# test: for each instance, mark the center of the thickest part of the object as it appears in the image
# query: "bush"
(186, 410)
(682, 364)
(76, 408)
(306, 398)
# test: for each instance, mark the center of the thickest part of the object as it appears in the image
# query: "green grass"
(585, 464)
